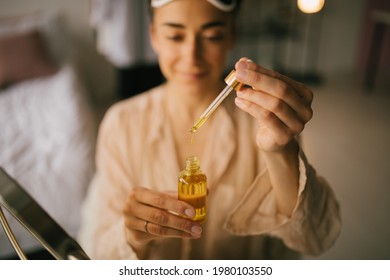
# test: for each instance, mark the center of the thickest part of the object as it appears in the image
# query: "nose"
(193, 49)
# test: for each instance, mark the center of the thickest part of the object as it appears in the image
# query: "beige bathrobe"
(136, 148)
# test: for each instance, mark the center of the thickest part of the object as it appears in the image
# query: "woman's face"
(192, 39)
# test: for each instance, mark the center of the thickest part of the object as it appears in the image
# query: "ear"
(153, 37)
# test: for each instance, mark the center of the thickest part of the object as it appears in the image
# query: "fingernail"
(189, 213)
(196, 230)
(243, 65)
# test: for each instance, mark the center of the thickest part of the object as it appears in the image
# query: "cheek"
(168, 51)
(216, 54)
(167, 59)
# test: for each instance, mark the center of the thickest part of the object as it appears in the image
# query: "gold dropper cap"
(232, 81)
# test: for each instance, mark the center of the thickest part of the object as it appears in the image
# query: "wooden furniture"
(381, 22)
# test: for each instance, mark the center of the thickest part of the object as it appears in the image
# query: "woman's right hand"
(152, 215)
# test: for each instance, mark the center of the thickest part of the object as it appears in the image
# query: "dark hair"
(234, 12)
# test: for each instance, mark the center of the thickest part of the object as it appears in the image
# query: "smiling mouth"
(198, 75)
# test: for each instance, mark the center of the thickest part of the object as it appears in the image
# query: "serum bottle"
(193, 187)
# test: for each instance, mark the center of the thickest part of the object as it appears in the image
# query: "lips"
(193, 75)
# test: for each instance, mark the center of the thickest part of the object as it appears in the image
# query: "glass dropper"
(232, 84)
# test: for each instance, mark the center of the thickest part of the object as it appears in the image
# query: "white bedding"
(47, 134)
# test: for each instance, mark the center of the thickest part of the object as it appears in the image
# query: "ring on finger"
(146, 226)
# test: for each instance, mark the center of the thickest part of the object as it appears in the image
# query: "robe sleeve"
(102, 233)
(314, 224)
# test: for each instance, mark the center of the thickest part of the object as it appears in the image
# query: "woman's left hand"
(282, 106)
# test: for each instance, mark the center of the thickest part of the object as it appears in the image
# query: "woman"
(264, 200)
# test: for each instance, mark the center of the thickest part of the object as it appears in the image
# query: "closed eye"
(216, 38)
(176, 38)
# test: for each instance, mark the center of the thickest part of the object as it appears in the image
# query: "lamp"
(310, 6)
(310, 54)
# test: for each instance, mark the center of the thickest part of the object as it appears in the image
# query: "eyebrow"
(205, 26)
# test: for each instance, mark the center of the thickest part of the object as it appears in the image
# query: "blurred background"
(84, 55)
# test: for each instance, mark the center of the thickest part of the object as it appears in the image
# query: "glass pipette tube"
(232, 84)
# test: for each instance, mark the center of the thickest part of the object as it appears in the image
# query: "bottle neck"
(192, 164)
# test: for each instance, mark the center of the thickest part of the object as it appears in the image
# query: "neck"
(189, 102)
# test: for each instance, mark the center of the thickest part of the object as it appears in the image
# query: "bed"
(47, 122)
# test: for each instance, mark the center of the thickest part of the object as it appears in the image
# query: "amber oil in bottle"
(193, 187)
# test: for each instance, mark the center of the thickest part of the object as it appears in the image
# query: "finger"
(144, 230)
(272, 83)
(272, 104)
(135, 235)
(163, 201)
(134, 223)
(247, 64)
(174, 193)
(282, 87)
(279, 131)
(161, 218)
(300, 88)
(161, 231)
